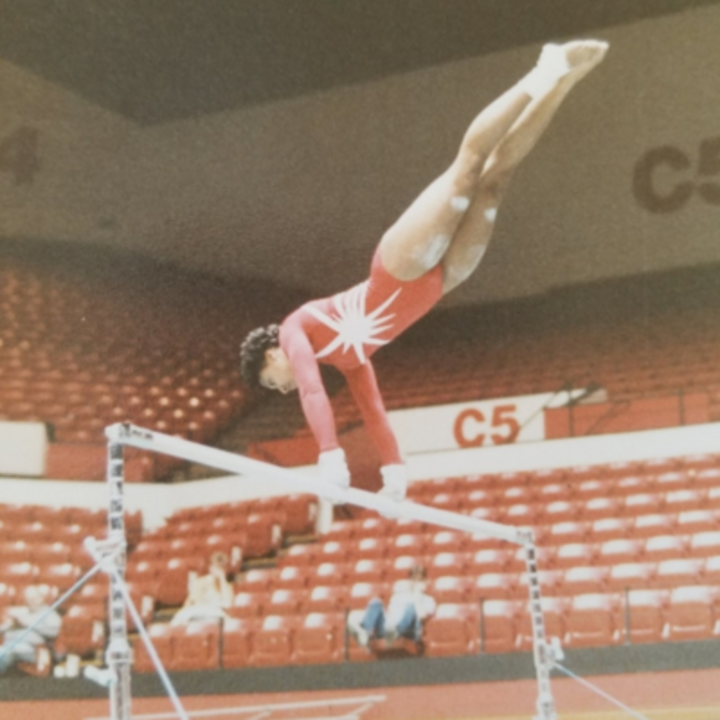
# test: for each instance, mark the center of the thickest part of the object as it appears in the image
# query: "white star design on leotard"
(353, 326)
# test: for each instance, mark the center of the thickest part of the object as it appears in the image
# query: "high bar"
(293, 482)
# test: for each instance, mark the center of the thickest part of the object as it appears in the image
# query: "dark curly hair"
(252, 352)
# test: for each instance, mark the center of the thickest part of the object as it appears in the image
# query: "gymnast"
(435, 245)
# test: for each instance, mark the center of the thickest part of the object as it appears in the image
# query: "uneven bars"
(293, 481)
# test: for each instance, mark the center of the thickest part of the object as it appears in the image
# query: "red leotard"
(345, 330)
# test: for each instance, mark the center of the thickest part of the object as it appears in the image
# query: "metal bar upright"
(118, 650)
(541, 650)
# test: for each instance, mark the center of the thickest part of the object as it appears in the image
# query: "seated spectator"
(208, 595)
(15, 622)
(408, 608)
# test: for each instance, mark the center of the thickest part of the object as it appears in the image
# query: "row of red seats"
(474, 492)
(296, 513)
(334, 587)
(363, 536)
(456, 628)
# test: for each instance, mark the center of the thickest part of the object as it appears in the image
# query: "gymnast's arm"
(364, 388)
(313, 397)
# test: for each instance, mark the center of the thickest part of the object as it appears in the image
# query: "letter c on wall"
(462, 431)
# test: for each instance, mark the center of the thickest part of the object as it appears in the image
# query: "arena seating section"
(628, 552)
(88, 339)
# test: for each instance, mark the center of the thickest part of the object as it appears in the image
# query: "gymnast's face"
(277, 372)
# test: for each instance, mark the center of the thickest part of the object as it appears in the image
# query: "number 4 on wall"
(18, 155)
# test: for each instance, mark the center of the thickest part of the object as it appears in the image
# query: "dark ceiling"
(155, 61)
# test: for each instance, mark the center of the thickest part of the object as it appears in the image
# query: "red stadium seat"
(320, 639)
(690, 613)
(705, 544)
(196, 646)
(554, 611)
(695, 521)
(553, 492)
(575, 555)
(448, 563)
(401, 566)
(292, 578)
(601, 507)
(248, 605)
(665, 547)
(92, 592)
(342, 531)
(561, 511)
(671, 480)
(408, 544)
(550, 582)
(568, 533)
(7, 594)
(452, 502)
(631, 575)
(499, 618)
(260, 579)
(273, 641)
(403, 526)
(490, 560)
(237, 636)
(494, 586)
(544, 559)
(368, 547)
(375, 527)
(630, 485)
(610, 529)
(19, 573)
(450, 589)
(447, 541)
(172, 586)
(17, 551)
(452, 630)
(82, 631)
(679, 500)
(674, 573)
(326, 599)
(161, 637)
(330, 573)
(369, 570)
(592, 620)
(646, 615)
(584, 580)
(708, 477)
(620, 550)
(263, 535)
(650, 525)
(642, 504)
(522, 514)
(284, 602)
(593, 488)
(335, 552)
(300, 555)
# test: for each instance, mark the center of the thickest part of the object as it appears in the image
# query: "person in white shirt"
(209, 595)
(408, 608)
(45, 628)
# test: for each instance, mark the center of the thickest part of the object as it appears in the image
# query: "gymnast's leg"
(473, 234)
(427, 230)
